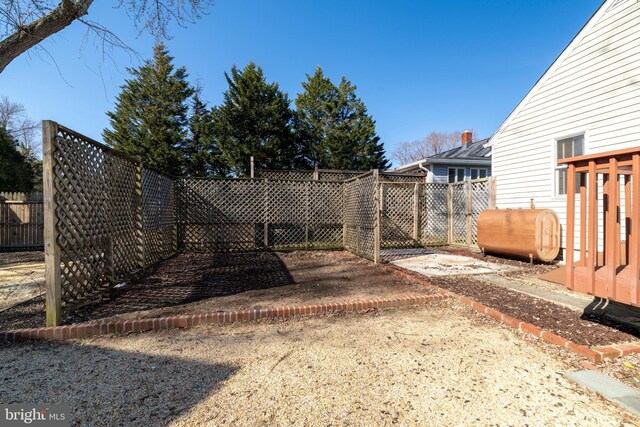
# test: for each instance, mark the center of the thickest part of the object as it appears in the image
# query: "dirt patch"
(543, 314)
(524, 268)
(422, 366)
(20, 257)
(193, 283)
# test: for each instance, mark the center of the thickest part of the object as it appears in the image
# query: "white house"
(587, 102)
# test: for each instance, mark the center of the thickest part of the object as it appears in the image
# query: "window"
(568, 147)
(479, 173)
(456, 175)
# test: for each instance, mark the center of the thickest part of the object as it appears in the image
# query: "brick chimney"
(466, 137)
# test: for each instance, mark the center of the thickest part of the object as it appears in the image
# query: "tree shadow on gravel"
(107, 387)
(193, 277)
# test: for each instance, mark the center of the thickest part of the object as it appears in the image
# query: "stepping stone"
(626, 396)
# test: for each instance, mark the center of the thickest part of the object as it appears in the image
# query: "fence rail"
(21, 226)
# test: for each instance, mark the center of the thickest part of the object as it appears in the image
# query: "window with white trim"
(565, 148)
(456, 175)
(479, 173)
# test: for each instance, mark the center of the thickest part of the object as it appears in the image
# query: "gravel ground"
(430, 365)
(19, 282)
(20, 257)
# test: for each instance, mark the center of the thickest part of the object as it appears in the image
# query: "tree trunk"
(28, 36)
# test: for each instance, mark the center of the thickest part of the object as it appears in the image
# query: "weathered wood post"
(449, 214)
(53, 277)
(468, 192)
(492, 192)
(416, 213)
(139, 219)
(378, 217)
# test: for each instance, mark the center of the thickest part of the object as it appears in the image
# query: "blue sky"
(420, 66)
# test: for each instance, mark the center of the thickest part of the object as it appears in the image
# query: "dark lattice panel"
(396, 177)
(336, 175)
(286, 174)
(158, 214)
(434, 221)
(95, 194)
(221, 215)
(231, 215)
(360, 212)
(398, 209)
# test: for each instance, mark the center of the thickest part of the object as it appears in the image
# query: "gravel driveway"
(430, 365)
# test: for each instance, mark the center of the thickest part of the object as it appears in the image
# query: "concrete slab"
(626, 396)
(445, 264)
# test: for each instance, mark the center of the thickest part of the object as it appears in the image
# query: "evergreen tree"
(255, 119)
(150, 119)
(16, 173)
(334, 127)
(201, 153)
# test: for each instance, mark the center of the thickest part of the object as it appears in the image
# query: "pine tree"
(335, 127)
(150, 119)
(16, 173)
(201, 153)
(255, 119)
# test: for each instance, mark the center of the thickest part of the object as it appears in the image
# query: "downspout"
(427, 171)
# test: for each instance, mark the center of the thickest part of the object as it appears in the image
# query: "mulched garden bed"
(198, 283)
(560, 320)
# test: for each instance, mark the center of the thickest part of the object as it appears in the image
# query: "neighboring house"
(588, 101)
(469, 161)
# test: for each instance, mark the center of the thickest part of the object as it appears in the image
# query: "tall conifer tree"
(335, 127)
(255, 119)
(16, 174)
(150, 119)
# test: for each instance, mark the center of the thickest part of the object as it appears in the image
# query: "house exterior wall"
(593, 89)
(441, 173)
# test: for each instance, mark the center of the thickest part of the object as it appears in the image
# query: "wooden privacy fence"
(21, 226)
(34, 196)
(108, 217)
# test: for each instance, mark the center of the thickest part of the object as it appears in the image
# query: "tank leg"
(531, 259)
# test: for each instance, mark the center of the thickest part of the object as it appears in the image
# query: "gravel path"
(431, 365)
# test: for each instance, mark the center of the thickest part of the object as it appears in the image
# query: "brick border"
(595, 355)
(85, 330)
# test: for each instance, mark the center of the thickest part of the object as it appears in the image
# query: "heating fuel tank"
(521, 233)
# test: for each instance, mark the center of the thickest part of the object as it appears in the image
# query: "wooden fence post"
(468, 192)
(492, 192)
(416, 212)
(139, 218)
(450, 214)
(378, 218)
(266, 214)
(53, 277)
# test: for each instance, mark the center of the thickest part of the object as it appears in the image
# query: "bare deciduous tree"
(433, 143)
(25, 23)
(14, 118)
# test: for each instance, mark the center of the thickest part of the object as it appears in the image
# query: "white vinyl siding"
(594, 90)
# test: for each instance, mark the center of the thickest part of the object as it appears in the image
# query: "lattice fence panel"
(286, 174)
(231, 215)
(158, 213)
(96, 198)
(337, 175)
(459, 233)
(480, 202)
(325, 217)
(360, 215)
(221, 215)
(398, 215)
(396, 177)
(434, 220)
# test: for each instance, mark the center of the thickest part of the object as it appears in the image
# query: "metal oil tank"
(523, 233)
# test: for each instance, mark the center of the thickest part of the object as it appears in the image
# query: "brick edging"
(85, 330)
(595, 355)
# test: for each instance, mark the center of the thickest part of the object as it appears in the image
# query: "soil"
(560, 320)
(195, 283)
(436, 364)
(20, 257)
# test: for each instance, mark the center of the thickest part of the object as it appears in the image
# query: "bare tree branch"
(26, 23)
